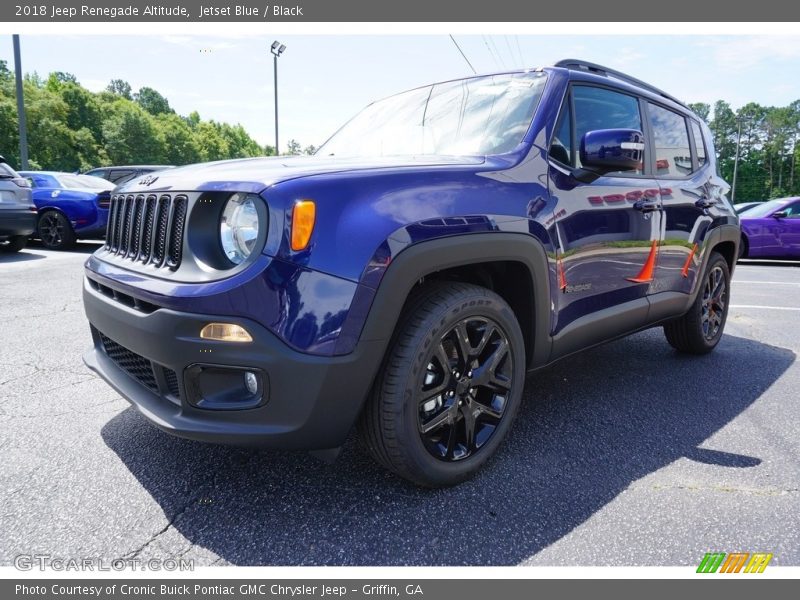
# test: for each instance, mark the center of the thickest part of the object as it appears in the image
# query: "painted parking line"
(768, 282)
(760, 307)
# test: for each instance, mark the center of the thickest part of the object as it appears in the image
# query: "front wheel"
(450, 387)
(700, 330)
(55, 231)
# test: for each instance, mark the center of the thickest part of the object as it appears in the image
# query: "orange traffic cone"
(646, 274)
(562, 278)
(685, 269)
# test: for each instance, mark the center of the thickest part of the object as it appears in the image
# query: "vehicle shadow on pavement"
(15, 257)
(590, 426)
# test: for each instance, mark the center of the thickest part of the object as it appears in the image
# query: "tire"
(432, 391)
(14, 244)
(744, 246)
(55, 231)
(700, 330)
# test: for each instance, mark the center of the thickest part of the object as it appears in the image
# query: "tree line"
(769, 155)
(73, 129)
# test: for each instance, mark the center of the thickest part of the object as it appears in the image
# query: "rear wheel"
(700, 329)
(55, 231)
(450, 387)
(14, 244)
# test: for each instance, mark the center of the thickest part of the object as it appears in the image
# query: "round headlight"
(238, 229)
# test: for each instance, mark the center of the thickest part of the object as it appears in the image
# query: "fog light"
(225, 332)
(251, 382)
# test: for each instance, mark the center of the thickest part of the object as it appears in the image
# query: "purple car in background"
(771, 230)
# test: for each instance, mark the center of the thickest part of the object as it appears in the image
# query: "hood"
(255, 174)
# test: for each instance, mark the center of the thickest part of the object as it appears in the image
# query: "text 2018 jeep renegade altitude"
(442, 244)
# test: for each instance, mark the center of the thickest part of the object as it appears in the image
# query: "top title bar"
(404, 11)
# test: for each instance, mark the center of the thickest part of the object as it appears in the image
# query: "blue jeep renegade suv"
(442, 244)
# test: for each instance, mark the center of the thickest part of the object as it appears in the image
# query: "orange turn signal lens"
(225, 332)
(303, 215)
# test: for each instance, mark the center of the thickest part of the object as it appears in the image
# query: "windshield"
(763, 209)
(477, 116)
(69, 181)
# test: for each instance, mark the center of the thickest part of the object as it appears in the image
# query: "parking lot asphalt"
(627, 454)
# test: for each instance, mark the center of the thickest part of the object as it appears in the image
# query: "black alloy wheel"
(55, 231)
(715, 297)
(701, 328)
(465, 389)
(450, 385)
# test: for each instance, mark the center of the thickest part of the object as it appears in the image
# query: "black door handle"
(646, 205)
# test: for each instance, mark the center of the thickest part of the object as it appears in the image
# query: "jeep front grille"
(147, 228)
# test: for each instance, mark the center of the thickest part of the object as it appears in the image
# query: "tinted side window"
(793, 210)
(599, 108)
(561, 146)
(673, 157)
(698, 143)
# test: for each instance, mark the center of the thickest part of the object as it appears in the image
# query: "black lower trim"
(313, 400)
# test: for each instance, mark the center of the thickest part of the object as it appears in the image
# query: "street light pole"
(23, 126)
(739, 120)
(277, 49)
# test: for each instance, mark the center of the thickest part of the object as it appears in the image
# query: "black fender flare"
(721, 233)
(425, 258)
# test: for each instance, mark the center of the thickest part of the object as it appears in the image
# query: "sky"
(326, 79)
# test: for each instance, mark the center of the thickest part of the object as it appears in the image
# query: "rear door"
(606, 232)
(684, 178)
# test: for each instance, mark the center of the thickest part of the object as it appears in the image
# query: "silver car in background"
(17, 210)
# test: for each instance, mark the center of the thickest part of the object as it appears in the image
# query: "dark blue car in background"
(441, 245)
(70, 207)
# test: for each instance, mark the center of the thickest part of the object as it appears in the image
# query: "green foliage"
(769, 154)
(153, 102)
(120, 87)
(293, 147)
(71, 128)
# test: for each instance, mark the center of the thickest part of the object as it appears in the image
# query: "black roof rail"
(583, 65)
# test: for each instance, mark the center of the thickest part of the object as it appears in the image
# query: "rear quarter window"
(671, 139)
(699, 144)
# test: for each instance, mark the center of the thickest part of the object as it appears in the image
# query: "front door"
(789, 231)
(607, 232)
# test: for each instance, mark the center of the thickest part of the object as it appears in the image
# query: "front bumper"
(312, 403)
(17, 221)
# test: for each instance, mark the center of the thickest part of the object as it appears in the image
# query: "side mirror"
(609, 150)
(781, 214)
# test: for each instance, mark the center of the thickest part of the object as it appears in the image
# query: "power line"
(464, 55)
(497, 52)
(519, 50)
(510, 51)
(494, 58)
